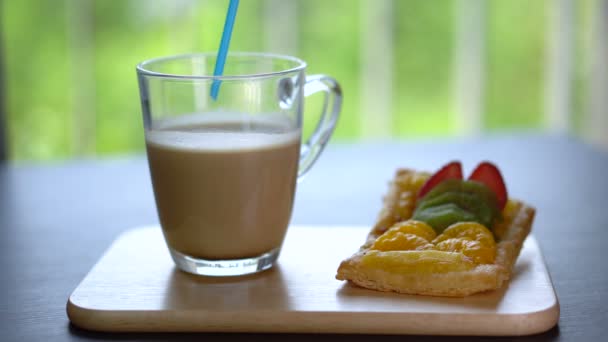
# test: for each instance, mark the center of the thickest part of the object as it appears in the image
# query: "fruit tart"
(442, 235)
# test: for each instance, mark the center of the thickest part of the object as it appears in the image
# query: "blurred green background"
(71, 90)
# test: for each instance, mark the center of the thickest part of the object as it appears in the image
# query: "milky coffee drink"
(224, 185)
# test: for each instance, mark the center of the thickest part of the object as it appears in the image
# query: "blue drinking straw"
(223, 51)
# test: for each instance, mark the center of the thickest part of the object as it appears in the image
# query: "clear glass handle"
(332, 104)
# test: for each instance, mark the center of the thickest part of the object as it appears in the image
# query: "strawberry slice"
(489, 175)
(452, 170)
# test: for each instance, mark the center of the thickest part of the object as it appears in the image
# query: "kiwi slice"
(465, 186)
(455, 200)
(443, 215)
(469, 201)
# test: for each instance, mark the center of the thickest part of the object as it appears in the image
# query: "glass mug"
(224, 170)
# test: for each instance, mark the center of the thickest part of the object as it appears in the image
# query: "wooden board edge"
(326, 323)
(84, 318)
(541, 321)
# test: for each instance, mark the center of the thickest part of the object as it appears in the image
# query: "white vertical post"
(558, 89)
(376, 68)
(82, 80)
(281, 26)
(469, 68)
(178, 14)
(201, 89)
(596, 121)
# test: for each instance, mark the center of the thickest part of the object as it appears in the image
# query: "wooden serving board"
(135, 287)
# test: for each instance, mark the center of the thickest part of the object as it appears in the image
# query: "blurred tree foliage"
(70, 64)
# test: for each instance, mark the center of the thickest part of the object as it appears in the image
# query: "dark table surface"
(56, 220)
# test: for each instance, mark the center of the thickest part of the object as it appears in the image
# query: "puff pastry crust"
(398, 206)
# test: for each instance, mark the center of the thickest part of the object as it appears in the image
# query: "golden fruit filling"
(413, 246)
(404, 236)
(420, 262)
